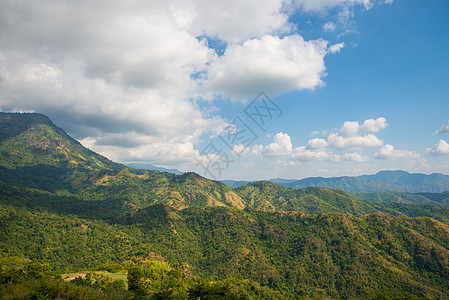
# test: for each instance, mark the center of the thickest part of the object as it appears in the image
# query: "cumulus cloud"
(388, 152)
(304, 154)
(120, 75)
(440, 148)
(126, 77)
(351, 135)
(354, 135)
(316, 144)
(269, 63)
(443, 129)
(281, 145)
(354, 156)
(365, 141)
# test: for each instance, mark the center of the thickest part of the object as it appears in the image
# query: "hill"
(268, 196)
(72, 209)
(398, 181)
(42, 166)
(146, 166)
(327, 255)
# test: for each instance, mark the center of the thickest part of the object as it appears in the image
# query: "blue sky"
(394, 65)
(363, 85)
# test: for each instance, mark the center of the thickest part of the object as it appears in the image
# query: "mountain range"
(383, 181)
(66, 206)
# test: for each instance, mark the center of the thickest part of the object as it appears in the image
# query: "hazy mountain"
(399, 181)
(146, 166)
(234, 183)
(401, 197)
(413, 182)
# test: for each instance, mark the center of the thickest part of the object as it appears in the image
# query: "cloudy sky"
(349, 86)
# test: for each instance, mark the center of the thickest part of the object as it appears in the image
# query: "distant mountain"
(399, 181)
(146, 166)
(399, 197)
(234, 183)
(413, 182)
(346, 183)
(442, 198)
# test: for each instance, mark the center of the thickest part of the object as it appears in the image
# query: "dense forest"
(132, 233)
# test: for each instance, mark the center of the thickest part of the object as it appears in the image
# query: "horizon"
(248, 91)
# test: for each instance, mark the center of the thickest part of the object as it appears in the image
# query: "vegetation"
(152, 235)
(381, 182)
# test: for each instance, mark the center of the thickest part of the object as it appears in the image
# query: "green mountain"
(65, 207)
(327, 255)
(398, 181)
(442, 198)
(400, 197)
(415, 182)
(268, 196)
(29, 140)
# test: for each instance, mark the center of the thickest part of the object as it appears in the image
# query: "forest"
(140, 234)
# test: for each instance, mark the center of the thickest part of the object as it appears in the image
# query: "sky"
(242, 90)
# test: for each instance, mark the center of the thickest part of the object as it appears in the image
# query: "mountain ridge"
(313, 242)
(382, 181)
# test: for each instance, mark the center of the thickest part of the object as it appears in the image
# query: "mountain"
(415, 182)
(346, 183)
(45, 166)
(442, 198)
(336, 256)
(400, 197)
(235, 183)
(29, 140)
(146, 166)
(268, 196)
(36, 154)
(398, 181)
(65, 207)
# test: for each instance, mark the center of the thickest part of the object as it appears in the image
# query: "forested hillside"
(64, 208)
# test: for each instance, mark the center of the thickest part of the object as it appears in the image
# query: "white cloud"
(350, 129)
(119, 74)
(388, 152)
(353, 156)
(372, 125)
(336, 48)
(125, 77)
(440, 148)
(240, 150)
(304, 154)
(233, 20)
(281, 145)
(316, 5)
(316, 144)
(341, 142)
(354, 135)
(269, 63)
(329, 26)
(256, 150)
(443, 129)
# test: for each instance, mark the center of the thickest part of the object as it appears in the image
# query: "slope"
(328, 255)
(268, 196)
